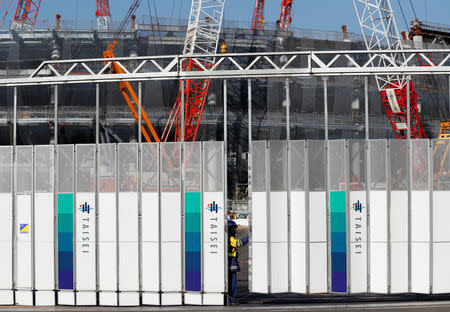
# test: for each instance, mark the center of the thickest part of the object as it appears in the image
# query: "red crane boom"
(26, 14)
(103, 14)
(285, 19)
(258, 15)
(102, 8)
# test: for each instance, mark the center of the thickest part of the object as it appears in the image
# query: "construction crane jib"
(103, 14)
(202, 37)
(380, 32)
(26, 14)
(285, 19)
(258, 15)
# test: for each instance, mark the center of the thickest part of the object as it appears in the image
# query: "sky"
(309, 14)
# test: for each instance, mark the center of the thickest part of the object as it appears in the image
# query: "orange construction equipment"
(130, 97)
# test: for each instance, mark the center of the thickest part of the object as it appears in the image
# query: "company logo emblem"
(213, 207)
(85, 208)
(358, 207)
(24, 228)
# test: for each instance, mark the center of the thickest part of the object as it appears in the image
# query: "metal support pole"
(325, 105)
(366, 106)
(408, 107)
(249, 113)
(250, 179)
(449, 94)
(182, 166)
(140, 112)
(225, 176)
(409, 149)
(97, 181)
(55, 188)
(288, 176)
(225, 114)
(14, 182)
(327, 165)
(97, 114)
(15, 119)
(140, 183)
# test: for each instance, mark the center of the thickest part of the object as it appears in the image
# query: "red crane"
(102, 8)
(26, 14)
(258, 15)
(285, 19)
(103, 14)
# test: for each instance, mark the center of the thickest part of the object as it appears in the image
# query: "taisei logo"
(357, 207)
(213, 207)
(85, 208)
(213, 233)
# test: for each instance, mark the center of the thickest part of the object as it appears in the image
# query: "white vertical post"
(15, 120)
(97, 184)
(250, 178)
(140, 113)
(249, 113)
(288, 176)
(55, 186)
(139, 180)
(325, 105)
(409, 149)
(97, 114)
(14, 182)
(182, 166)
(225, 177)
(366, 106)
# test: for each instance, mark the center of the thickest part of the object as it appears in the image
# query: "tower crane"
(258, 15)
(380, 32)
(202, 37)
(26, 14)
(285, 19)
(103, 14)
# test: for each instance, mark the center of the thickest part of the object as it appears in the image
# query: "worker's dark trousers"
(232, 286)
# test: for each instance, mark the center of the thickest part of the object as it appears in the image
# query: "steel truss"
(202, 38)
(380, 32)
(238, 65)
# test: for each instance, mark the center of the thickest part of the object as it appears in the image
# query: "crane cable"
(127, 18)
(6, 13)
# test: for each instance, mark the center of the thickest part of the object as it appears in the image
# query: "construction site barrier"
(117, 225)
(350, 216)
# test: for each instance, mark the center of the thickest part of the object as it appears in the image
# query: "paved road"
(281, 303)
(401, 307)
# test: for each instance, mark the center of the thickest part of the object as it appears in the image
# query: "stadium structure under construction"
(21, 52)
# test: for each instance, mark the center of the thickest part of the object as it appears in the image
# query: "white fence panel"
(107, 225)
(24, 225)
(171, 246)
(214, 218)
(85, 216)
(44, 212)
(150, 224)
(128, 225)
(6, 225)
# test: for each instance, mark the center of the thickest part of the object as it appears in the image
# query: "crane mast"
(258, 15)
(202, 38)
(26, 14)
(285, 19)
(380, 32)
(103, 14)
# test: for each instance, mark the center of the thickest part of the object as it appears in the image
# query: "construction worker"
(233, 260)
